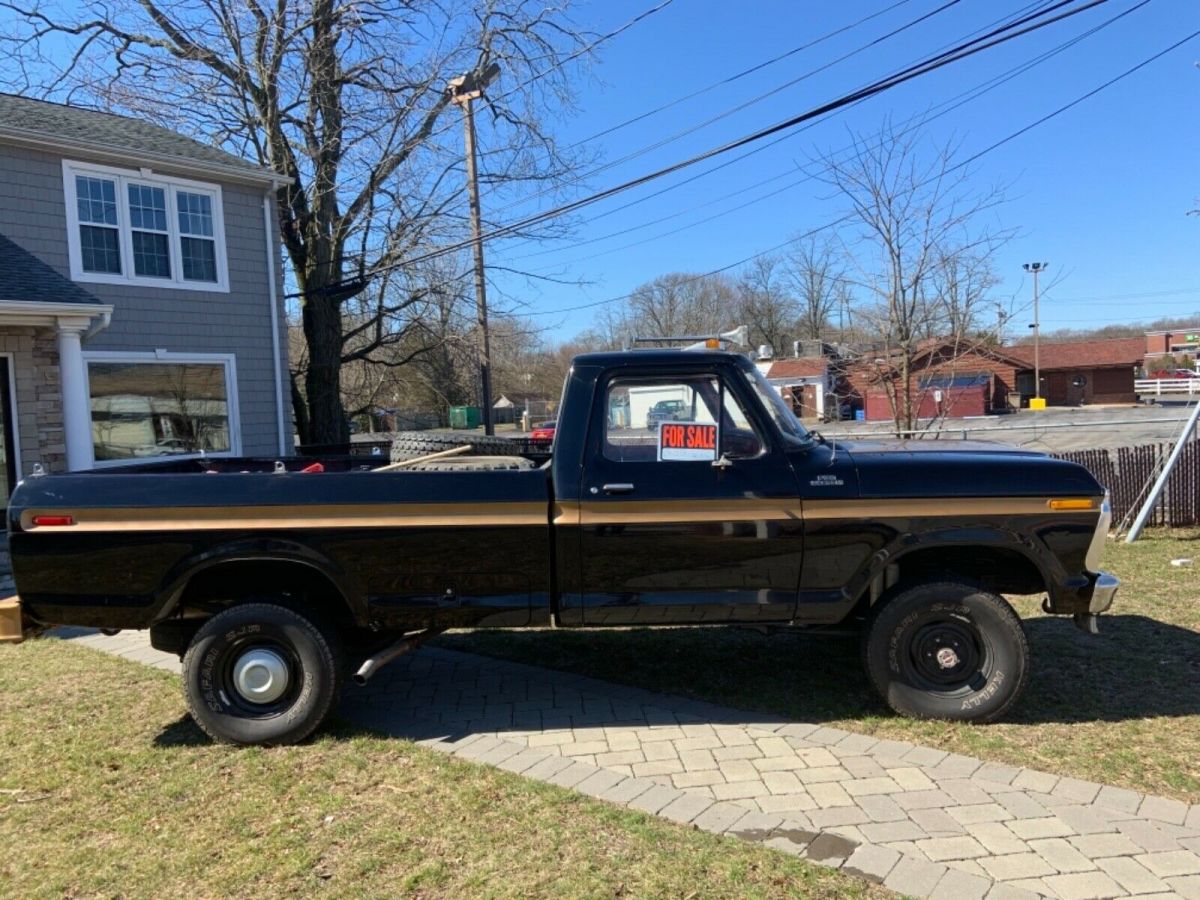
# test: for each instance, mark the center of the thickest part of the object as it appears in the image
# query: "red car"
(543, 433)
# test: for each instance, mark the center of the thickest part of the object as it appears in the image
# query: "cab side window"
(675, 419)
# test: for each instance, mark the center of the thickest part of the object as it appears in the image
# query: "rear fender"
(272, 550)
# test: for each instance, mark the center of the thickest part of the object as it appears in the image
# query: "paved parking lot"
(1053, 430)
(919, 820)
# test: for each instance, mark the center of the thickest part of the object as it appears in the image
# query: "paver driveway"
(924, 822)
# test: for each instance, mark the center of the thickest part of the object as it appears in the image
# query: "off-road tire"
(411, 444)
(474, 464)
(313, 655)
(947, 650)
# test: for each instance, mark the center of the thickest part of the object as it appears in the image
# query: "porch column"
(77, 417)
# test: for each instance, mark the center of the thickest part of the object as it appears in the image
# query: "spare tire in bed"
(473, 464)
(411, 444)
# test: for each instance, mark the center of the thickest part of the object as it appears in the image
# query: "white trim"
(229, 360)
(171, 185)
(36, 139)
(48, 312)
(14, 450)
(280, 416)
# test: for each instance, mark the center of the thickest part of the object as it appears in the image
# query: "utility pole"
(464, 89)
(1036, 268)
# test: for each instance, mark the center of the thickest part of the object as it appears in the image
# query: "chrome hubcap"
(260, 675)
(947, 658)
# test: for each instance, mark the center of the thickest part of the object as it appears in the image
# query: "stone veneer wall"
(39, 399)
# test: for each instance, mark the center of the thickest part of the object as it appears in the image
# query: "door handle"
(618, 488)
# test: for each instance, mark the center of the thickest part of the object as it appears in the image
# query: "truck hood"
(935, 468)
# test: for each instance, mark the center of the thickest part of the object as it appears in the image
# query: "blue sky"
(1101, 192)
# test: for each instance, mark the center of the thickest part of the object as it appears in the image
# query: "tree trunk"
(323, 380)
(300, 411)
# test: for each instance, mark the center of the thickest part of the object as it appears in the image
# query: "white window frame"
(228, 360)
(170, 184)
(14, 450)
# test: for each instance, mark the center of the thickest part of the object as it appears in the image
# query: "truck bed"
(403, 547)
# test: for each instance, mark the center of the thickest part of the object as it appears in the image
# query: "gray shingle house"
(141, 307)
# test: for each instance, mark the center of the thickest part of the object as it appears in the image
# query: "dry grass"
(1122, 708)
(106, 789)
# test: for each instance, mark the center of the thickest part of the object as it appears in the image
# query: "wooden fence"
(1129, 473)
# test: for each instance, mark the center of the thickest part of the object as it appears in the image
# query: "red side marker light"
(49, 521)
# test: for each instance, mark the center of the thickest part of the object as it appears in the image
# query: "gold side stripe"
(207, 518)
(616, 512)
(949, 506)
(565, 513)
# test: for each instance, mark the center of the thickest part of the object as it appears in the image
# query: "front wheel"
(947, 651)
(260, 674)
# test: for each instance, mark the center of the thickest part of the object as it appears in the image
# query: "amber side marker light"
(51, 521)
(1073, 503)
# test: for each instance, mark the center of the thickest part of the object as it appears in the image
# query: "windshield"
(779, 410)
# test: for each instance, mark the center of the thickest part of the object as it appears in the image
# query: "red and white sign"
(686, 441)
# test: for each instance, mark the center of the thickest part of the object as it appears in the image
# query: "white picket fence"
(1167, 387)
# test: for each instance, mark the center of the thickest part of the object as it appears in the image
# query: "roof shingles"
(25, 277)
(74, 123)
(1083, 354)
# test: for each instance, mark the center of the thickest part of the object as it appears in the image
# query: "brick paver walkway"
(919, 820)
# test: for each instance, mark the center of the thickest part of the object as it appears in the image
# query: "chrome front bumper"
(1103, 593)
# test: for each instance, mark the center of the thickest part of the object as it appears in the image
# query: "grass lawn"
(107, 789)
(1122, 708)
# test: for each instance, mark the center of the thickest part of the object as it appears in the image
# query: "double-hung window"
(138, 227)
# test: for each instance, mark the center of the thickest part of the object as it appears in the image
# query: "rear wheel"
(947, 651)
(261, 674)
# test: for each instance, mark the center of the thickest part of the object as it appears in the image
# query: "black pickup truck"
(271, 579)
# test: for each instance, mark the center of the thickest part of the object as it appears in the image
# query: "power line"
(1064, 108)
(737, 76)
(742, 106)
(917, 121)
(1011, 31)
(724, 114)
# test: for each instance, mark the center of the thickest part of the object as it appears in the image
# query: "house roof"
(24, 119)
(1083, 354)
(24, 277)
(807, 367)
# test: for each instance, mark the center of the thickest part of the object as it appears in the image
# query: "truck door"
(688, 513)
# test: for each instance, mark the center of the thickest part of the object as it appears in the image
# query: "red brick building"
(1084, 372)
(957, 379)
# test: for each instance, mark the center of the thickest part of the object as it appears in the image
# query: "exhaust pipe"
(373, 664)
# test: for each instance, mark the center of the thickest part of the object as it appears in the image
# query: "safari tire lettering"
(903, 631)
(314, 661)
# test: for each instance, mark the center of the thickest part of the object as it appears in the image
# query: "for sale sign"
(686, 441)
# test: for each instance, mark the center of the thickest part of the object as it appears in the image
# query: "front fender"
(960, 544)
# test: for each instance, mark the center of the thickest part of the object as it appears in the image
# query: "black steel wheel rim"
(947, 654)
(233, 698)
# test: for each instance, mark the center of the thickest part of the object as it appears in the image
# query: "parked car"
(667, 411)
(269, 576)
(543, 432)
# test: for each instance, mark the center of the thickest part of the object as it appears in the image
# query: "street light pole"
(1036, 268)
(464, 89)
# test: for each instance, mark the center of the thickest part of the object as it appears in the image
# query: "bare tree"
(680, 303)
(347, 98)
(815, 271)
(766, 303)
(916, 221)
